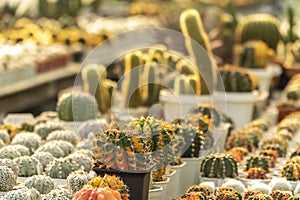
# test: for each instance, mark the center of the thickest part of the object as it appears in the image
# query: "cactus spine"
(94, 78)
(130, 87)
(192, 27)
(263, 27)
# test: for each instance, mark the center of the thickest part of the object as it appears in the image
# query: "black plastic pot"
(137, 182)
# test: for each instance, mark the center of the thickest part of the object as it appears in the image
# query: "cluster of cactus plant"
(264, 27)
(236, 79)
(256, 173)
(218, 166)
(77, 106)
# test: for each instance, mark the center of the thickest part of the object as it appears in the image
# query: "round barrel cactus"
(291, 171)
(280, 195)
(76, 180)
(44, 129)
(256, 173)
(218, 166)
(258, 161)
(23, 150)
(44, 157)
(11, 164)
(77, 107)
(55, 150)
(7, 179)
(225, 193)
(4, 137)
(28, 166)
(66, 146)
(61, 168)
(42, 183)
(68, 136)
(23, 193)
(58, 194)
(85, 162)
(238, 140)
(9, 153)
(260, 197)
(92, 127)
(31, 140)
(250, 193)
(200, 188)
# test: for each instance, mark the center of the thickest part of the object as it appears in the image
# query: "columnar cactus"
(44, 157)
(237, 79)
(256, 173)
(192, 28)
(61, 168)
(94, 82)
(218, 166)
(280, 195)
(28, 166)
(7, 179)
(4, 136)
(23, 150)
(68, 136)
(12, 165)
(76, 180)
(263, 27)
(130, 87)
(9, 153)
(77, 106)
(291, 171)
(42, 183)
(84, 161)
(44, 129)
(257, 161)
(31, 140)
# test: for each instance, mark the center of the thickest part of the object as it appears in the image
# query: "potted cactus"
(240, 96)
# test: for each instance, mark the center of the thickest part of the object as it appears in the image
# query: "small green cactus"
(238, 140)
(66, 146)
(68, 136)
(12, 165)
(291, 171)
(218, 166)
(31, 140)
(9, 153)
(44, 157)
(7, 179)
(42, 183)
(77, 106)
(280, 195)
(257, 161)
(61, 168)
(76, 180)
(84, 161)
(55, 150)
(44, 129)
(28, 166)
(23, 150)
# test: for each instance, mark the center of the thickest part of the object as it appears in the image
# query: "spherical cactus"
(239, 141)
(23, 150)
(256, 173)
(280, 184)
(76, 180)
(218, 166)
(198, 188)
(68, 136)
(55, 150)
(2, 144)
(224, 193)
(257, 161)
(44, 129)
(84, 162)
(28, 166)
(66, 146)
(280, 195)
(92, 127)
(281, 150)
(261, 187)
(87, 193)
(238, 153)
(43, 184)
(4, 136)
(58, 194)
(87, 152)
(44, 157)
(291, 171)
(77, 107)
(260, 197)
(250, 193)
(235, 184)
(237, 79)
(7, 179)
(23, 193)
(61, 168)
(31, 140)
(9, 153)
(11, 164)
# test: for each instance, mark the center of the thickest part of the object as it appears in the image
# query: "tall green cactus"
(130, 88)
(95, 82)
(263, 27)
(192, 27)
(150, 84)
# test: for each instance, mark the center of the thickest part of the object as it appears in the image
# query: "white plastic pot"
(217, 181)
(165, 186)
(155, 193)
(240, 106)
(265, 78)
(178, 105)
(190, 172)
(177, 189)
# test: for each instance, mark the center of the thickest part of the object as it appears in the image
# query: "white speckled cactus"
(85, 162)
(30, 140)
(280, 184)
(235, 184)
(28, 166)
(55, 150)
(1, 144)
(58, 194)
(11, 164)
(261, 187)
(7, 179)
(86, 152)
(68, 136)
(42, 183)
(9, 153)
(92, 126)
(76, 180)
(23, 194)
(23, 150)
(44, 129)
(61, 168)
(44, 157)
(4, 136)
(66, 146)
